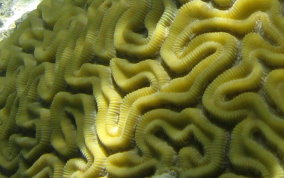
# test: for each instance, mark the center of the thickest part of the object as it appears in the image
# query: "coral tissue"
(144, 88)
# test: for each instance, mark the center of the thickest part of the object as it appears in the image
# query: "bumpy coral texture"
(144, 88)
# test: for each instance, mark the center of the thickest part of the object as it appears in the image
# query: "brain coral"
(144, 88)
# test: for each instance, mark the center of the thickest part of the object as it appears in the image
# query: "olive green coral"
(144, 88)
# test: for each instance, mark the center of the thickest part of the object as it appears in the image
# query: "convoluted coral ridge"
(144, 88)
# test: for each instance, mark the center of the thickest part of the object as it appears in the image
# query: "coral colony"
(144, 88)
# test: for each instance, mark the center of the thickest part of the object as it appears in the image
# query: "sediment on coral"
(144, 88)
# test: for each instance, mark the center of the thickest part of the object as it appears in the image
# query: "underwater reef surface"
(144, 88)
(12, 13)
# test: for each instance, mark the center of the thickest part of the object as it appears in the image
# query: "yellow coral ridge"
(189, 124)
(142, 29)
(248, 153)
(144, 88)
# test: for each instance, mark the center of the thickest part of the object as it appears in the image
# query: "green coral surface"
(144, 88)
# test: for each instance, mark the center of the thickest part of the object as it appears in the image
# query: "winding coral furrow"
(179, 128)
(144, 33)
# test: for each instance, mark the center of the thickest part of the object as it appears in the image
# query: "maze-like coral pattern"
(144, 88)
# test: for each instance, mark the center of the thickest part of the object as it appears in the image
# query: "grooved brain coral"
(144, 88)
